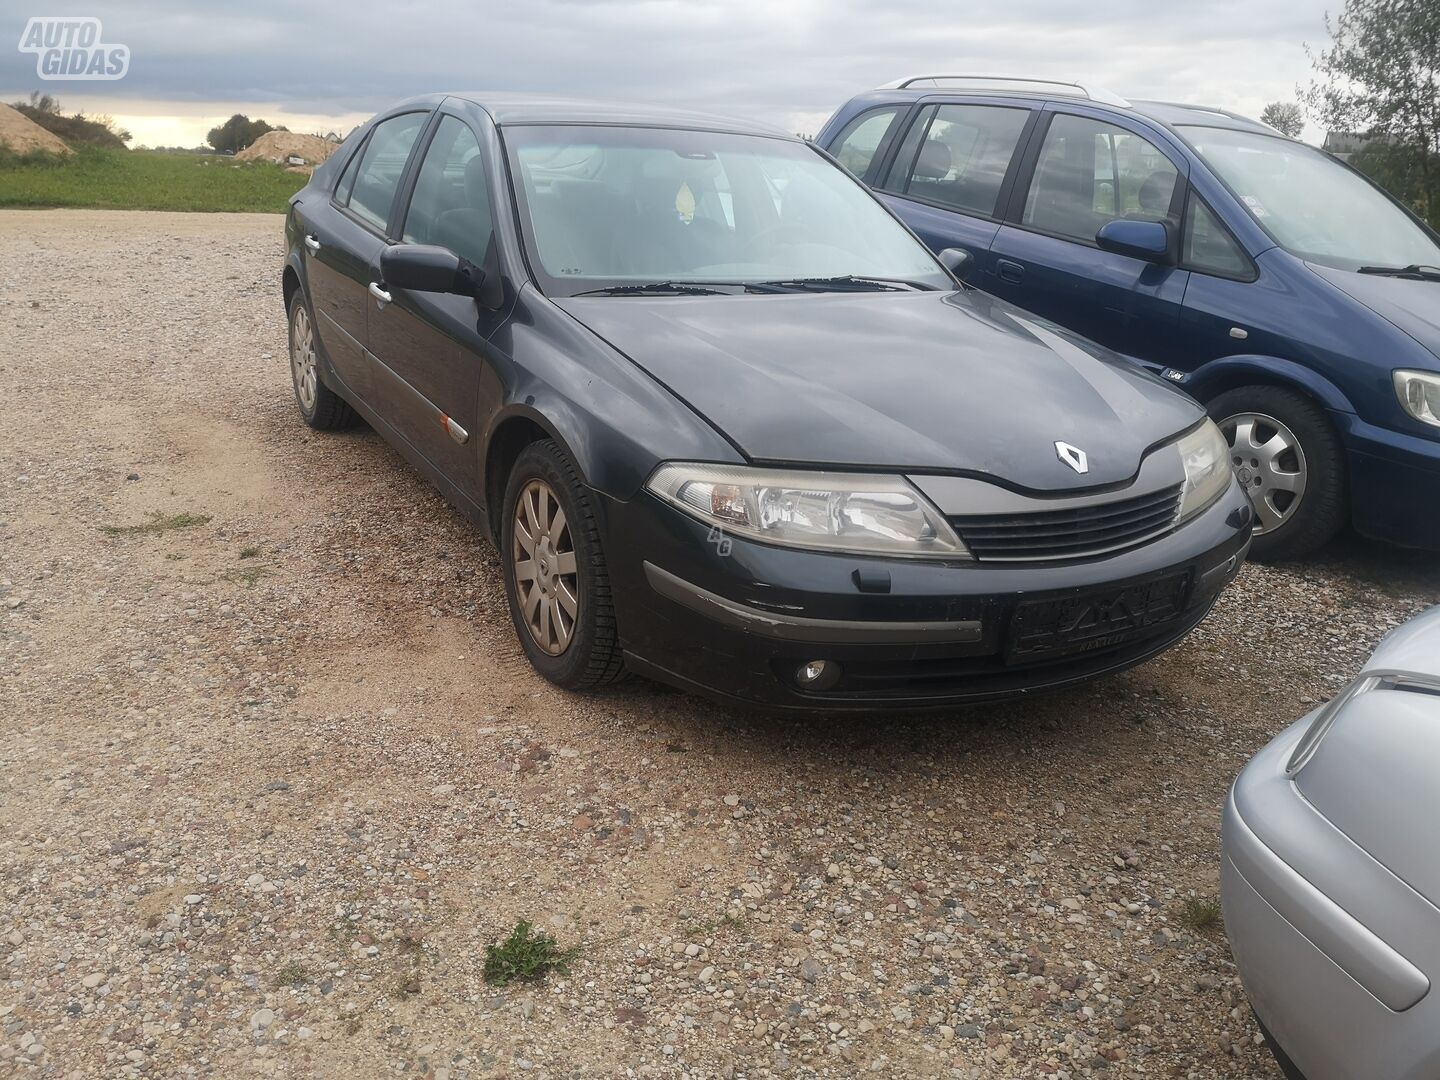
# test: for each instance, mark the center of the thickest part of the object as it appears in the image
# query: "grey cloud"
(774, 61)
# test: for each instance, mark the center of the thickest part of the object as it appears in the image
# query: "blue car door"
(1081, 172)
(951, 171)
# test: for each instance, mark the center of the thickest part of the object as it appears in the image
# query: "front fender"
(1231, 371)
(614, 420)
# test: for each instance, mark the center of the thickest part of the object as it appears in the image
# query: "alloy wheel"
(543, 559)
(302, 358)
(1269, 462)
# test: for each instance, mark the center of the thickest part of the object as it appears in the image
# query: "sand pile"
(22, 135)
(280, 146)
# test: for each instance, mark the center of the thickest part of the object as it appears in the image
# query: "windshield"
(610, 207)
(1311, 204)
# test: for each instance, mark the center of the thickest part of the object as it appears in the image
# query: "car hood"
(931, 381)
(1413, 306)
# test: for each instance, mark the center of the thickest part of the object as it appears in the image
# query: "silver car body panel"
(1332, 872)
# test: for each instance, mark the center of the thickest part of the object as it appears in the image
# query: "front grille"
(1072, 533)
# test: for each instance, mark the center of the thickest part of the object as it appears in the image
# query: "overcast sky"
(322, 64)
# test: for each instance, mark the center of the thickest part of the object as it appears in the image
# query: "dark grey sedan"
(729, 422)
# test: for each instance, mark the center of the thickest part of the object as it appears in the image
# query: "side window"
(965, 155)
(347, 178)
(1208, 245)
(856, 146)
(451, 202)
(381, 164)
(1091, 173)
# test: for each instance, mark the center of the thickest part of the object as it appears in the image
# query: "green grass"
(526, 956)
(157, 523)
(292, 974)
(1200, 913)
(144, 180)
(244, 575)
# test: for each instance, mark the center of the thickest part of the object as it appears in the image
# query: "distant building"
(1346, 144)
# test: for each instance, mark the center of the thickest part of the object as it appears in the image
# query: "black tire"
(320, 407)
(1311, 520)
(592, 656)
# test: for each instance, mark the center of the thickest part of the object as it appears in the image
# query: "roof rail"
(1063, 86)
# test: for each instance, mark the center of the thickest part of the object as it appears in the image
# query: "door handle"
(379, 293)
(312, 243)
(1010, 271)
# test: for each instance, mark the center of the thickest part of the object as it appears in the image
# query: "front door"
(1087, 174)
(427, 347)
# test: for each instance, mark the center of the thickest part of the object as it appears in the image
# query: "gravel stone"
(276, 808)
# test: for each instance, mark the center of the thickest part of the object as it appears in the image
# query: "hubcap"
(543, 556)
(1269, 463)
(302, 358)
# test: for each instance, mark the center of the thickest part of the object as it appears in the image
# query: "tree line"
(1379, 81)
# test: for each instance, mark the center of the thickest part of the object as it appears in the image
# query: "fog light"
(817, 674)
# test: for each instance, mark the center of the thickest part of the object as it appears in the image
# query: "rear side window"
(347, 178)
(964, 157)
(1208, 245)
(1091, 173)
(861, 138)
(381, 164)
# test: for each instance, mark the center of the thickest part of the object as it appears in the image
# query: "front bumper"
(734, 619)
(1394, 483)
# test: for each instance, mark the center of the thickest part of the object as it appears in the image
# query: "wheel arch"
(514, 430)
(289, 285)
(1217, 377)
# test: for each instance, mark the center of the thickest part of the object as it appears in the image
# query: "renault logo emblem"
(1073, 456)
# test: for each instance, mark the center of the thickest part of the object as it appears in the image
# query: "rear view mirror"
(1148, 240)
(958, 261)
(424, 268)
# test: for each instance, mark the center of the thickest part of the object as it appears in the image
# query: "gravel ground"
(271, 781)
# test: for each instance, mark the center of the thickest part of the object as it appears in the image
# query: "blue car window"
(1092, 173)
(856, 146)
(965, 155)
(1208, 245)
(451, 203)
(381, 165)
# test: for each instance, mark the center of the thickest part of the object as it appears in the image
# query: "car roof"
(1168, 114)
(517, 108)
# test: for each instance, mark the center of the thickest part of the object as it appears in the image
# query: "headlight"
(1419, 394)
(1206, 457)
(854, 512)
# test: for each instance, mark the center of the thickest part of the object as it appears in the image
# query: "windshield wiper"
(667, 288)
(1417, 271)
(846, 282)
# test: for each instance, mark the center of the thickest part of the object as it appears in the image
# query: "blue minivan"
(1297, 300)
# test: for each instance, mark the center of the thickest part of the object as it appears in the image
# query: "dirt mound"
(281, 146)
(22, 135)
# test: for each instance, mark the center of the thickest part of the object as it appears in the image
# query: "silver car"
(1331, 877)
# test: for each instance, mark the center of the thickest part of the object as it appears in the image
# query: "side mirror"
(424, 268)
(1148, 240)
(958, 261)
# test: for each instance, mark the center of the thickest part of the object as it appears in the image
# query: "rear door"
(428, 349)
(343, 240)
(949, 176)
(1081, 173)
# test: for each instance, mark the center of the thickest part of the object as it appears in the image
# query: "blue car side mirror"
(1148, 240)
